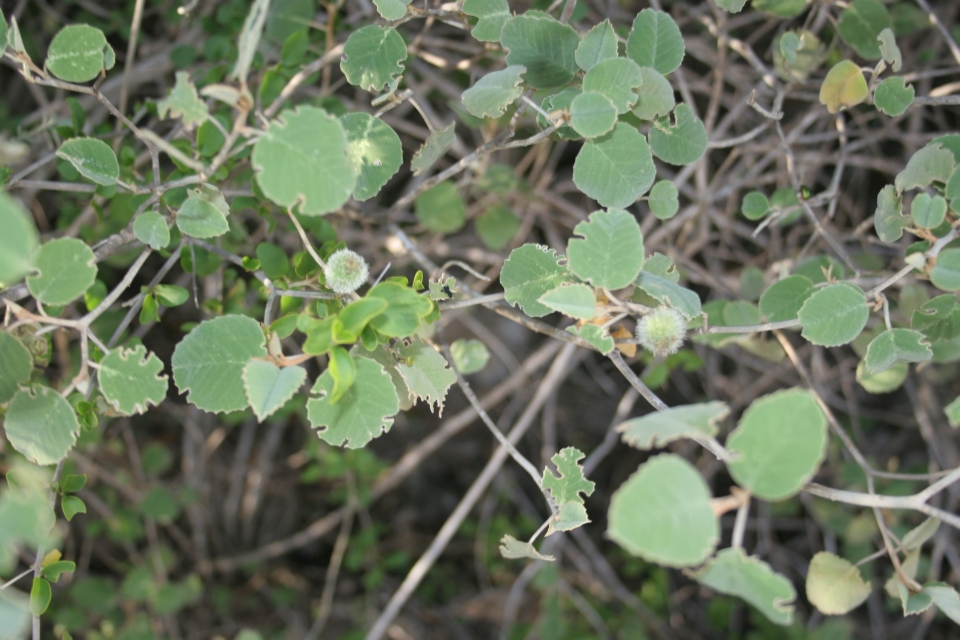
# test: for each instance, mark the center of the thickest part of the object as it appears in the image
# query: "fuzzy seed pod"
(345, 271)
(662, 331)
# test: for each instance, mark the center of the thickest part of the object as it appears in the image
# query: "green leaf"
(569, 516)
(889, 49)
(565, 487)
(17, 366)
(491, 15)
(654, 97)
(938, 319)
(733, 573)
(843, 87)
(731, 6)
(780, 8)
(17, 242)
(66, 268)
(302, 158)
(783, 300)
(592, 114)
(609, 251)
(373, 57)
(662, 266)
(273, 260)
(441, 209)
(834, 585)
(556, 104)
(896, 345)
(434, 148)
(575, 300)
(616, 78)
(892, 97)
(953, 412)
(834, 315)
(916, 537)
(664, 200)
(615, 169)
(512, 548)
(405, 313)
(78, 53)
(789, 45)
(928, 212)
(40, 596)
(490, 96)
(249, 39)
(945, 274)
(655, 41)
(41, 425)
(386, 357)
(425, 372)
(362, 414)
(93, 158)
(681, 143)
(932, 163)
(204, 213)
(469, 356)
(884, 382)
(130, 380)
(354, 317)
(945, 598)
(529, 272)
(781, 439)
(375, 151)
(3, 46)
(269, 387)
(599, 44)
(669, 293)
(151, 229)
(663, 514)
(546, 47)
(659, 428)
(72, 505)
(73, 483)
(860, 24)
(755, 206)
(888, 220)
(391, 9)
(496, 227)
(52, 572)
(14, 612)
(595, 335)
(184, 103)
(208, 363)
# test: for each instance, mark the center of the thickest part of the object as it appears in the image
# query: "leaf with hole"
(18, 241)
(575, 300)
(843, 87)
(66, 269)
(750, 578)
(373, 57)
(375, 151)
(781, 439)
(834, 315)
(41, 425)
(609, 250)
(834, 585)
(655, 41)
(78, 53)
(545, 46)
(615, 169)
(599, 44)
(529, 272)
(682, 142)
(565, 487)
(434, 148)
(490, 14)
(490, 96)
(425, 372)
(930, 164)
(783, 300)
(659, 428)
(131, 380)
(93, 158)
(617, 79)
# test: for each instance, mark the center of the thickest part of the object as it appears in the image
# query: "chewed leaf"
(893, 97)
(752, 579)
(888, 219)
(659, 428)
(425, 372)
(41, 425)
(616, 79)
(373, 57)
(490, 96)
(375, 150)
(930, 164)
(569, 516)
(392, 9)
(683, 142)
(130, 379)
(491, 13)
(512, 548)
(609, 250)
(184, 103)
(896, 345)
(570, 483)
(529, 272)
(269, 387)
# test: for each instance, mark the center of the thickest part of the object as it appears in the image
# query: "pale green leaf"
(617, 79)
(184, 103)
(469, 356)
(387, 358)
(860, 25)
(599, 44)
(752, 283)
(41, 425)
(497, 226)
(491, 15)
(14, 611)
(595, 335)
(3, 41)
(269, 387)
(17, 366)
(204, 213)
(151, 229)
(930, 164)
(302, 158)
(916, 537)
(17, 242)
(490, 96)
(425, 372)
(834, 585)
(78, 53)
(733, 573)
(441, 209)
(886, 381)
(669, 293)
(364, 412)
(375, 151)
(909, 567)
(434, 148)
(131, 380)
(556, 104)
(732, 6)
(405, 312)
(546, 47)
(913, 603)
(615, 169)
(888, 220)
(755, 206)
(654, 97)
(945, 274)
(789, 45)
(575, 300)
(655, 41)
(93, 158)
(662, 266)
(249, 39)
(592, 114)
(928, 212)
(896, 345)
(945, 598)
(391, 9)
(208, 363)
(659, 428)
(834, 315)
(662, 513)
(609, 251)
(569, 516)
(783, 300)
(780, 8)
(781, 439)
(893, 97)
(512, 548)
(889, 49)
(664, 200)
(682, 142)
(952, 411)
(529, 272)
(66, 268)
(938, 319)
(373, 57)
(798, 54)
(565, 488)
(843, 87)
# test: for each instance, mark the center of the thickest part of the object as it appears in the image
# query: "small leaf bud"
(345, 271)
(662, 331)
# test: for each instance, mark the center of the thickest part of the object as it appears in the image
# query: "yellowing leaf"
(843, 87)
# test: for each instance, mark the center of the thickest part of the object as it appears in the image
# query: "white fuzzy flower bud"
(661, 332)
(346, 271)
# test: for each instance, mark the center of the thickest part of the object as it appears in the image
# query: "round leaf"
(683, 142)
(859, 25)
(18, 240)
(782, 440)
(41, 425)
(441, 209)
(130, 380)
(93, 158)
(664, 200)
(78, 53)
(599, 44)
(497, 226)
(17, 366)
(655, 41)
(269, 387)
(663, 514)
(654, 97)
(783, 300)
(375, 151)
(834, 585)
(755, 206)
(834, 315)
(616, 79)
(198, 217)
(469, 356)
(391, 9)
(490, 96)
(609, 252)
(592, 114)
(886, 381)
(928, 212)
(372, 57)
(893, 97)
(151, 229)
(67, 268)
(529, 272)
(945, 275)
(615, 169)
(546, 47)
(843, 87)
